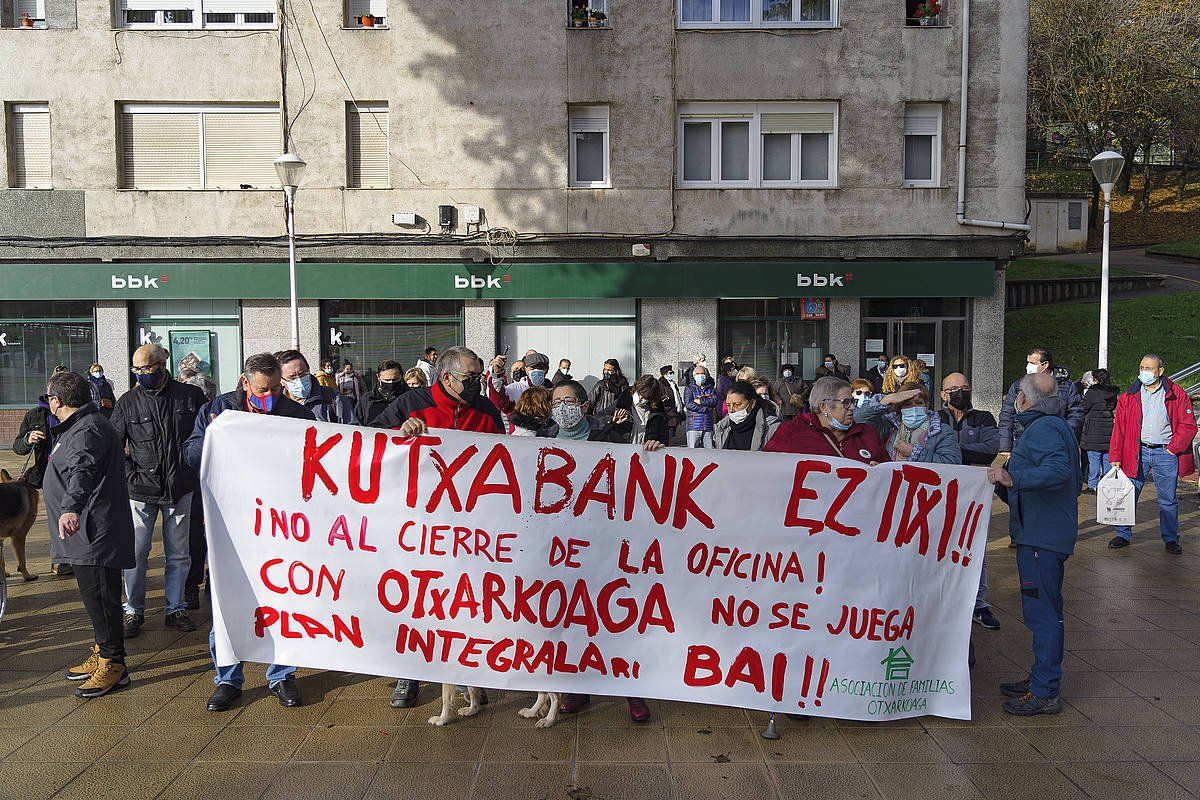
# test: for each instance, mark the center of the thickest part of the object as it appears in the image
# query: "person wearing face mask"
(979, 440)
(861, 390)
(1038, 361)
(349, 382)
(647, 417)
(897, 373)
(910, 431)
(326, 405)
(875, 374)
(537, 366)
(832, 368)
(388, 386)
(325, 375)
(259, 392)
(103, 396)
(153, 422)
(1153, 428)
(672, 399)
(88, 511)
(701, 401)
(750, 423)
(788, 385)
(829, 429)
(611, 393)
(563, 374)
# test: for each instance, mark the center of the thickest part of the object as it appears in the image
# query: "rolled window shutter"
(160, 151)
(149, 5)
(36, 9)
(589, 119)
(240, 150)
(358, 8)
(239, 6)
(31, 148)
(921, 121)
(368, 135)
(798, 122)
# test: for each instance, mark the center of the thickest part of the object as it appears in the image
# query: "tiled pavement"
(1131, 728)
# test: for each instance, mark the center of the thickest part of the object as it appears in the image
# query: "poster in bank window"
(758, 580)
(192, 350)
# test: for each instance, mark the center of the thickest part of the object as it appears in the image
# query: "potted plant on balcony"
(367, 20)
(597, 19)
(26, 22)
(928, 12)
(579, 18)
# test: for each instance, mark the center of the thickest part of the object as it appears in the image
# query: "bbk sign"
(477, 282)
(138, 281)
(806, 281)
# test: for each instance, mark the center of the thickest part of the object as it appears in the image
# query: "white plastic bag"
(1115, 499)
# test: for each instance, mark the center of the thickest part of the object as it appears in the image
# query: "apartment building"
(651, 180)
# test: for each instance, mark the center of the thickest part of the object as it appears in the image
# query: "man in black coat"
(389, 386)
(153, 420)
(87, 507)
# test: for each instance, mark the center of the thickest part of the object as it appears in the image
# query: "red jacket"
(804, 435)
(1125, 445)
(439, 410)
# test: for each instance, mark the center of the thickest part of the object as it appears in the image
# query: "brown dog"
(18, 509)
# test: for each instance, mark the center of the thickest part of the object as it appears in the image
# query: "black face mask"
(961, 399)
(390, 388)
(518, 374)
(470, 391)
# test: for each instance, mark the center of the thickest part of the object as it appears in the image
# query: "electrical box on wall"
(471, 215)
(447, 216)
(404, 218)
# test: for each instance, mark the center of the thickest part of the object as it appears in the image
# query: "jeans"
(232, 674)
(981, 594)
(700, 439)
(197, 544)
(1098, 466)
(1166, 472)
(175, 552)
(1041, 573)
(100, 591)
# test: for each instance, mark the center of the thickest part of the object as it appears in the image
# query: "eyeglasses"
(149, 369)
(951, 389)
(566, 401)
(844, 403)
(466, 377)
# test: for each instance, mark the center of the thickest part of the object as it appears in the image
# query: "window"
(37, 336)
(366, 332)
(757, 13)
(33, 10)
(589, 147)
(924, 12)
(587, 13)
(196, 13)
(922, 144)
(199, 147)
(1074, 216)
(760, 145)
(367, 146)
(374, 10)
(29, 133)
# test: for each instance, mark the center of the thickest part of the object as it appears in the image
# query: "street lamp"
(1106, 167)
(290, 167)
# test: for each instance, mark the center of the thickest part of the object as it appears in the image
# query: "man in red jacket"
(1152, 432)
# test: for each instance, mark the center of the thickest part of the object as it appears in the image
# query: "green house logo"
(897, 664)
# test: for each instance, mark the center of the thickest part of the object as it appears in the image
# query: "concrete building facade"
(774, 186)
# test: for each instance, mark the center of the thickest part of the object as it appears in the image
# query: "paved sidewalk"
(1131, 728)
(1183, 275)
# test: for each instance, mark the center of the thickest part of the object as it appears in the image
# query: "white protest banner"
(757, 580)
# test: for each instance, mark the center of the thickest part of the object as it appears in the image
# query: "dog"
(544, 699)
(474, 699)
(18, 509)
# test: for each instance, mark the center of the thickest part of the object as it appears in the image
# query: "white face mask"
(1032, 368)
(787, 373)
(900, 371)
(738, 417)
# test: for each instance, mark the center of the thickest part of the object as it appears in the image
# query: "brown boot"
(109, 675)
(85, 670)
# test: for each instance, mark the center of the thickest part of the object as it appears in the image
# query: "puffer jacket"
(1099, 406)
(437, 409)
(803, 434)
(152, 427)
(701, 403)
(1044, 498)
(193, 449)
(1072, 412)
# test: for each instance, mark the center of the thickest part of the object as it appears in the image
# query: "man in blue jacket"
(1037, 362)
(1042, 479)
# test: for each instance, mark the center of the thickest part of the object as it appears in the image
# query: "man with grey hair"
(260, 391)
(1153, 428)
(1042, 482)
(453, 401)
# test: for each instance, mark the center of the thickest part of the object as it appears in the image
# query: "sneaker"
(133, 625)
(180, 621)
(1027, 705)
(1016, 689)
(191, 598)
(986, 619)
(85, 670)
(109, 676)
(1174, 549)
(638, 710)
(1117, 542)
(63, 570)
(405, 693)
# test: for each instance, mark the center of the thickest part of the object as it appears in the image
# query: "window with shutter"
(160, 151)
(922, 144)
(30, 136)
(367, 146)
(357, 9)
(756, 13)
(240, 150)
(588, 160)
(35, 10)
(196, 13)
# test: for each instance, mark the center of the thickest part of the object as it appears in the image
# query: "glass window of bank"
(933, 329)
(37, 336)
(205, 335)
(766, 334)
(585, 331)
(366, 332)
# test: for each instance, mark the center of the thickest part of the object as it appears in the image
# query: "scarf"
(918, 436)
(580, 433)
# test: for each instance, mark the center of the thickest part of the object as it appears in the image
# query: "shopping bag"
(1115, 499)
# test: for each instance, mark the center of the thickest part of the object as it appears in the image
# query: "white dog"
(474, 698)
(544, 699)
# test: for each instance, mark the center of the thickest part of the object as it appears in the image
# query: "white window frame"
(16, 109)
(198, 11)
(198, 111)
(352, 21)
(580, 119)
(38, 17)
(935, 161)
(756, 18)
(752, 112)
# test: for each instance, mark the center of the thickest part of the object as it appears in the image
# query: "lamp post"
(1106, 167)
(290, 167)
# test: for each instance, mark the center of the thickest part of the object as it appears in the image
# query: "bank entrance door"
(940, 341)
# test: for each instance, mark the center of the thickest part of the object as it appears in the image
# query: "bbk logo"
(476, 282)
(138, 281)
(827, 279)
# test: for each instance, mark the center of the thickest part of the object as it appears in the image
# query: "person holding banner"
(260, 391)
(1042, 479)
(750, 423)
(829, 429)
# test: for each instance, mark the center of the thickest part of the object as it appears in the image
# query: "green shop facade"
(646, 314)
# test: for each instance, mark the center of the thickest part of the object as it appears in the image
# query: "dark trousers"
(197, 544)
(100, 590)
(1041, 573)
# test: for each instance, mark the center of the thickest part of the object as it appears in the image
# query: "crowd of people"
(114, 465)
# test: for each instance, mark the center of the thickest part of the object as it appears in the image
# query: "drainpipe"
(961, 211)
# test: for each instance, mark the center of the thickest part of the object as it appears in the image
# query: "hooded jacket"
(152, 426)
(803, 434)
(1072, 412)
(437, 409)
(193, 449)
(1125, 446)
(85, 475)
(1044, 498)
(1099, 408)
(765, 426)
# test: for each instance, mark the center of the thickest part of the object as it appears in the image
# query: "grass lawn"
(1022, 269)
(1163, 324)
(1189, 248)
